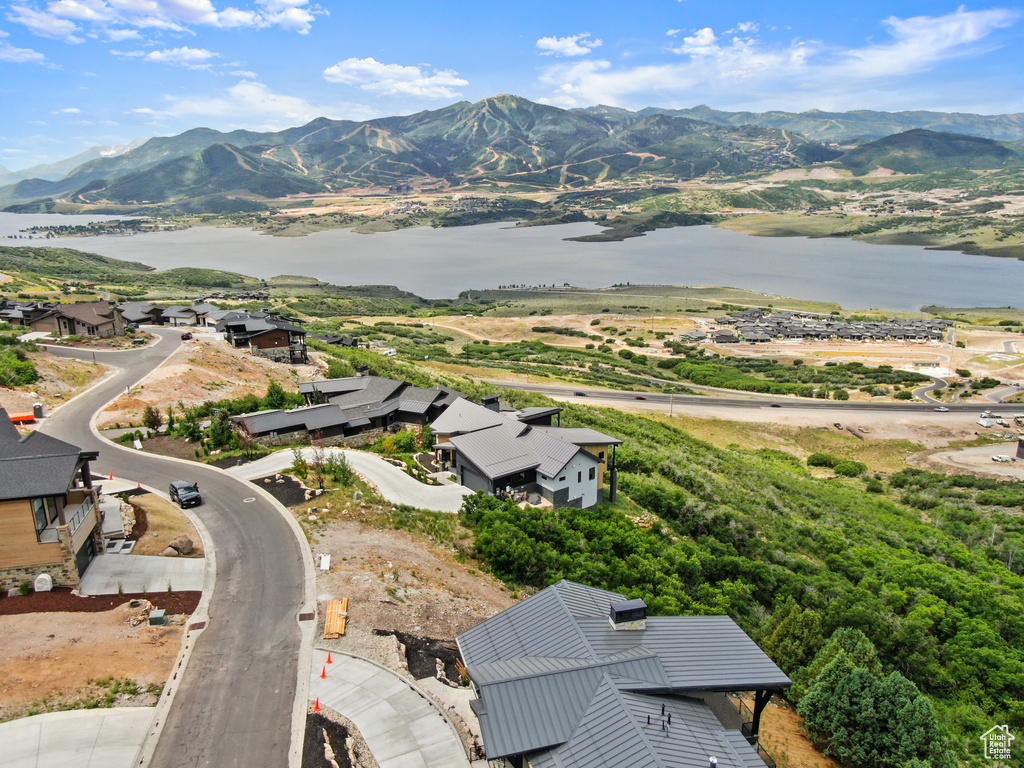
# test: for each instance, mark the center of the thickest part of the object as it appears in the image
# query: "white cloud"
(68, 111)
(673, 32)
(924, 40)
(395, 79)
(64, 19)
(44, 24)
(740, 69)
(573, 45)
(701, 43)
(117, 35)
(15, 55)
(193, 58)
(251, 104)
(244, 73)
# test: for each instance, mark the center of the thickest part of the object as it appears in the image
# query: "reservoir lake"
(439, 263)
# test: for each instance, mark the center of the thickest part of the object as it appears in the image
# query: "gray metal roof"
(464, 416)
(507, 448)
(557, 682)
(698, 652)
(580, 435)
(309, 418)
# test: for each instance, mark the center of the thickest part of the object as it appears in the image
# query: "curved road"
(236, 704)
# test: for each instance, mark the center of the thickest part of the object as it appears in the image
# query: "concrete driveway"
(143, 573)
(394, 484)
(402, 726)
(84, 738)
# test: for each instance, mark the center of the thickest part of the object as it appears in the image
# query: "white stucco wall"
(577, 479)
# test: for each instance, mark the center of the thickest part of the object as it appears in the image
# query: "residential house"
(23, 314)
(141, 313)
(95, 318)
(266, 334)
(176, 315)
(49, 520)
(346, 408)
(402, 401)
(500, 452)
(576, 677)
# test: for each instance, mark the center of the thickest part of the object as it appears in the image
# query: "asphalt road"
(766, 401)
(235, 701)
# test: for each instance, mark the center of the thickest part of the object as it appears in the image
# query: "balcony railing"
(76, 520)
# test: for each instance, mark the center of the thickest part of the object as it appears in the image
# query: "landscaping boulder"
(181, 544)
(169, 552)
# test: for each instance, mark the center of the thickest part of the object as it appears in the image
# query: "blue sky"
(80, 73)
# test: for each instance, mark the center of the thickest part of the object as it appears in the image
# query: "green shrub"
(822, 460)
(849, 468)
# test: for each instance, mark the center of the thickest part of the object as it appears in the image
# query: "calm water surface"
(439, 263)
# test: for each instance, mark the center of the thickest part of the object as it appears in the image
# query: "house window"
(561, 479)
(592, 474)
(600, 456)
(44, 512)
(579, 476)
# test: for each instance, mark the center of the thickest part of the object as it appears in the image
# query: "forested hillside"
(929, 568)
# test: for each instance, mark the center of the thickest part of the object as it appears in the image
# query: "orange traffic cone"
(140, 485)
(111, 475)
(323, 675)
(316, 707)
(329, 658)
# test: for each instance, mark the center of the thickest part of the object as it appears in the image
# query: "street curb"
(146, 751)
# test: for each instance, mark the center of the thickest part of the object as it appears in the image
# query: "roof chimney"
(491, 403)
(628, 614)
(362, 370)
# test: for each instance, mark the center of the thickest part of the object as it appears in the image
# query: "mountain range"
(508, 143)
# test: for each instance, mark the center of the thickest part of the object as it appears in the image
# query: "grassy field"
(879, 455)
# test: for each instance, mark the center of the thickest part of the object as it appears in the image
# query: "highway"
(237, 702)
(762, 401)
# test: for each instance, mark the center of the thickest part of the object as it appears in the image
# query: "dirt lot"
(202, 369)
(396, 582)
(59, 381)
(51, 661)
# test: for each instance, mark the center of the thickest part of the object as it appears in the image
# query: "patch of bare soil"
(784, 737)
(332, 741)
(59, 380)
(205, 369)
(51, 661)
(398, 583)
(65, 601)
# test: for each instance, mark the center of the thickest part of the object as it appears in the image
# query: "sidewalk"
(85, 738)
(394, 484)
(402, 726)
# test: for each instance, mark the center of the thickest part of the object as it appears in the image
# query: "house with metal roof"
(408, 403)
(266, 334)
(49, 520)
(575, 676)
(498, 451)
(343, 408)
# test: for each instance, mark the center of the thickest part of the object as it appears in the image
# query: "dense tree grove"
(925, 567)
